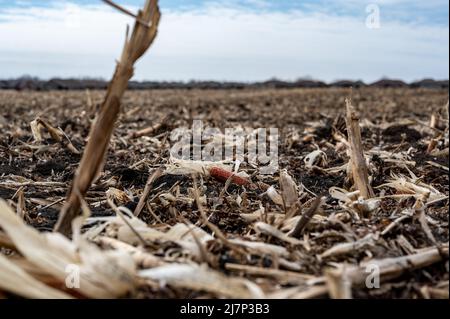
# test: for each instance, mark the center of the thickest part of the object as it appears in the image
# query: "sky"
(231, 40)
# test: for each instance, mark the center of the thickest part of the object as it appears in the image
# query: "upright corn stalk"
(357, 161)
(144, 32)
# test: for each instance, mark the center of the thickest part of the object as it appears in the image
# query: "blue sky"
(431, 11)
(245, 40)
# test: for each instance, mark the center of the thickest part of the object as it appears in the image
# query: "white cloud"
(223, 43)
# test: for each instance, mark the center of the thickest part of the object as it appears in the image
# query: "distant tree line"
(36, 84)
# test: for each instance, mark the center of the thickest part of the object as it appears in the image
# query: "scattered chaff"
(314, 158)
(16, 280)
(419, 208)
(306, 217)
(343, 277)
(240, 232)
(201, 278)
(287, 276)
(151, 179)
(395, 223)
(289, 193)
(270, 230)
(151, 129)
(102, 274)
(140, 257)
(58, 135)
(274, 196)
(413, 186)
(344, 248)
(21, 209)
(352, 201)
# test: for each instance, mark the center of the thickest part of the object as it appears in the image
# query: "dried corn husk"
(201, 278)
(102, 274)
(14, 279)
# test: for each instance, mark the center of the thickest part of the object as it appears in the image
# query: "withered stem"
(101, 130)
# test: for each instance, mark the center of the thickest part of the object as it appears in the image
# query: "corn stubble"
(218, 230)
(356, 191)
(142, 36)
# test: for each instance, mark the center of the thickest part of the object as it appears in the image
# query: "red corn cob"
(223, 175)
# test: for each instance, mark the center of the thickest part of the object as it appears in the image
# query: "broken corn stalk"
(94, 156)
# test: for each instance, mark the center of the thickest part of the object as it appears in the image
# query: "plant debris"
(357, 207)
(303, 232)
